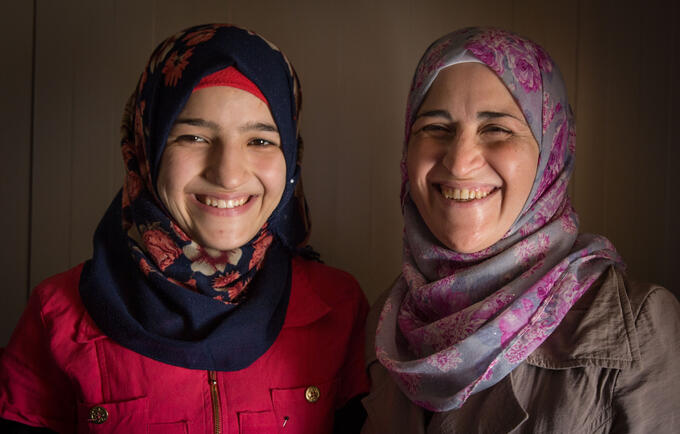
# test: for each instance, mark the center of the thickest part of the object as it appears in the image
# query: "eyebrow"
(435, 113)
(250, 126)
(258, 126)
(493, 115)
(481, 115)
(198, 122)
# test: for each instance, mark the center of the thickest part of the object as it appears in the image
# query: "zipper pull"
(285, 421)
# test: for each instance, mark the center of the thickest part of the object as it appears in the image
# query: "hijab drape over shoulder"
(455, 324)
(149, 286)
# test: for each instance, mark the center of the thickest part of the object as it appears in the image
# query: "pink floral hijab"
(455, 324)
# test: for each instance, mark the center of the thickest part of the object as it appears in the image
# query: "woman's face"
(222, 172)
(471, 158)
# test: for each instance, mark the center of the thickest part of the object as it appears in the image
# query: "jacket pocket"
(306, 409)
(168, 428)
(257, 422)
(130, 416)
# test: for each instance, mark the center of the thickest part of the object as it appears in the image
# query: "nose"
(227, 166)
(464, 155)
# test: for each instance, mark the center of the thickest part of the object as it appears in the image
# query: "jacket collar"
(305, 305)
(599, 330)
(466, 418)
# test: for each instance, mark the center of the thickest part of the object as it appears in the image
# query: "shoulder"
(332, 285)
(658, 303)
(59, 288)
(56, 305)
(57, 299)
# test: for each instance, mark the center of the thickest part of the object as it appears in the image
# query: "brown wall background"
(68, 67)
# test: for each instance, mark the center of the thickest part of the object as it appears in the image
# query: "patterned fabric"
(152, 288)
(455, 324)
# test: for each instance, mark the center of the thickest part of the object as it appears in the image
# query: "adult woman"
(505, 319)
(197, 312)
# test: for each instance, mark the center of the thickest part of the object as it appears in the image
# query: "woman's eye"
(435, 130)
(495, 129)
(261, 142)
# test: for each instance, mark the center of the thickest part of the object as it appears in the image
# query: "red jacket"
(59, 371)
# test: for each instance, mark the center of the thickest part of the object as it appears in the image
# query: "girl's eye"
(189, 138)
(261, 142)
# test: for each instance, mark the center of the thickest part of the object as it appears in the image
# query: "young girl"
(198, 312)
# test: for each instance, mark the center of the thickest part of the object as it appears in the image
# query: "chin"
(464, 244)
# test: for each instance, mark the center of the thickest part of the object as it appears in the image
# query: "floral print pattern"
(461, 322)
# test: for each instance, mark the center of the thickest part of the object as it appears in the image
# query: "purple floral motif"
(556, 160)
(527, 343)
(446, 360)
(410, 382)
(487, 55)
(514, 320)
(568, 224)
(432, 62)
(525, 69)
(549, 111)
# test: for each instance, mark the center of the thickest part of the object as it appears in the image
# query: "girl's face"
(471, 158)
(222, 172)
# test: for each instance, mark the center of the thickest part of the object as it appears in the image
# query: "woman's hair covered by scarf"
(152, 288)
(457, 323)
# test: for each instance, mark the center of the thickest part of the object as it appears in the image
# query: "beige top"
(612, 365)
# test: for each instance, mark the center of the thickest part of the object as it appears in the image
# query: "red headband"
(231, 77)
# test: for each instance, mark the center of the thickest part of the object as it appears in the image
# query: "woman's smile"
(471, 158)
(465, 194)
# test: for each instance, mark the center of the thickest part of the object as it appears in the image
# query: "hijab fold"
(455, 324)
(149, 286)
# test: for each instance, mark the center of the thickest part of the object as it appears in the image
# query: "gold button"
(312, 394)
(97, 415)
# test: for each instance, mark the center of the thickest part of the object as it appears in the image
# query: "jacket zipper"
(215, 398)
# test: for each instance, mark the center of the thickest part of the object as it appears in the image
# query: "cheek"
(172, 175)
(415, 165)
(273, 175)
(520, 171)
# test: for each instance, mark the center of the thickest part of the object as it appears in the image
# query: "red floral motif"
(145, 267)
(158, 55)
(260, 248)
(128, 153)
(190, 284)
(161, 248)
(232, 293)
(179, 232)
(199, 36)
(235, 290)
(223, 281)
(174, 66)
(131, 189)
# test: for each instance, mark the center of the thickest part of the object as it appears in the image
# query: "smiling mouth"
(222, 203)
(465, 194)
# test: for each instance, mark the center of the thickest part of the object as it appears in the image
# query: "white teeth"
(463, 194)
(221, 203)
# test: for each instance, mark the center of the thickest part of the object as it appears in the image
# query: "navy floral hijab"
(149, 286)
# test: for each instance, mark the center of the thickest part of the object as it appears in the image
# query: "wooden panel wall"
(355, 58)
(15, 143)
